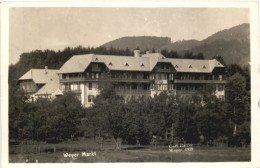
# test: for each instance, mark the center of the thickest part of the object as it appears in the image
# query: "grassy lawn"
(128, 153)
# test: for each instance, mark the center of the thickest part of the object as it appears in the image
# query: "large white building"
(139, 75)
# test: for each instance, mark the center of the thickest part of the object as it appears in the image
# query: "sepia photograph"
(129, 84)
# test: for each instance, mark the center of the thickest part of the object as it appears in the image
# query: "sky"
(56, 28)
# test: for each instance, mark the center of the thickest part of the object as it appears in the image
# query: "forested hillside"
(143, 42)
(232, 44)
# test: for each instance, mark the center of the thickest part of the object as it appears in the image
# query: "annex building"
(40, 83)
(139, 75)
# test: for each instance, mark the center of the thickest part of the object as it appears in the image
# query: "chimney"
(147, 52)
(46, 67)
(137, 53)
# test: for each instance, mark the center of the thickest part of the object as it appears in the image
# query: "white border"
(254, 36)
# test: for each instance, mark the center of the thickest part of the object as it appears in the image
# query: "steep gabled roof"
(146, 62)
(193, 65)
(153, 59)
(40, 76)
(126, 63)
(214, 63)
(79, 63)
(49, 89)
(76, 64)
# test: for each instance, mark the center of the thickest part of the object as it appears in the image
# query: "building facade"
(139, 75)
(40, 83)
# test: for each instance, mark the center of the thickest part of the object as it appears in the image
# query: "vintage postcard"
(129, 84)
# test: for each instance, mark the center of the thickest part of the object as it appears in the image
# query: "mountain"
(143, 42)
(232, 44)
(181, 45)
(232, 51)
(239, 33)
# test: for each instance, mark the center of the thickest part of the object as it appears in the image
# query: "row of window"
(133, 86)
(44, 96)
(164, 66)
(162, 87)
(94, 75)
(28, 86)
(74, 86)
(187, 88)
(162, 76)
(219, 87)
(88, 75)
(125, 75)
(68, 76)
(152, 76)
(129, 75)
(199, 77)
(70, 86)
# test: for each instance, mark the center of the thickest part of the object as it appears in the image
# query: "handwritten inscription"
(181, 147)
(76, 155)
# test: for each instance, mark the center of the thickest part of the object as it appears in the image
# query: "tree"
(245, 72)
(135, 123)
(164, 113)
(64, 117)
(17, 116)
(39, 118)
(199, 56)
(106, 118)
(212, 121)
(238, 100)
(130, 125)
(220, 59)
(188, 55)
(187, 126)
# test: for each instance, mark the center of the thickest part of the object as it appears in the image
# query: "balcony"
(157, 81)
(133, 92)
(84, 79)
(129, 80)
(200, 81)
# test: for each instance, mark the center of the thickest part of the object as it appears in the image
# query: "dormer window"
(142, 65)
(110, 63)
(190, 66)
(176, 66)
(126, 64)
(204, 67)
